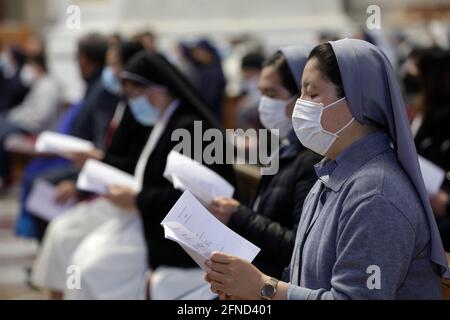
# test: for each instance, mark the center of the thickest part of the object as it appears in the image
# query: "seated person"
(367, 230)
(114, 239)
(271, 219)
(38, 111)
(80, 120)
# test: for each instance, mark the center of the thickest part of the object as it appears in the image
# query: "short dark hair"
(279, 62)
(328, 66)
(94, 47)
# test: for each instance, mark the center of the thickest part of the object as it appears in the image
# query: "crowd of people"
(348, 196)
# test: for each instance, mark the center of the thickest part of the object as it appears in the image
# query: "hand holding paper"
(200, 234)
(202, 182)
(42, 201)
(98, 177)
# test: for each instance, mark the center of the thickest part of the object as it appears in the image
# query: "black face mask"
(411, 84)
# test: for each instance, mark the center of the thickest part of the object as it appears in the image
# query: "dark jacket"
(96, 114)
(158, 194)
(273, 225)
(433, 143)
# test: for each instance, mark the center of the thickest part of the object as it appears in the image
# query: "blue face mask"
(143, 111)
(110, 81)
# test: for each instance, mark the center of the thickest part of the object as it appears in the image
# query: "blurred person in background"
(327, 35)
(232, 52)
(13, 84)
(12, 90)
(114, 238)
(247, 105)
(180, 55)
(95, 113)
(115, 39)
(207, 67)
(431, 129)
(81, 120)
(378, 39)
(117, 57)
(147, 39)
(402, 45)
(98, 104)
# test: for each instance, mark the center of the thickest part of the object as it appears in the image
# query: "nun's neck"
(350, 135)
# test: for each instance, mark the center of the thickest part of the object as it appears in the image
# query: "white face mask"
(272, 114)
(28, 75)
(306, 120)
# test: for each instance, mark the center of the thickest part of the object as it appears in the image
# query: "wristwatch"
(269, 289)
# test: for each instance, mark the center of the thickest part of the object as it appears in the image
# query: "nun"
(112, 242)
(367, 230)
(270, 220)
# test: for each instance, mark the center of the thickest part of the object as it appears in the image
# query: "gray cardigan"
(363, 233)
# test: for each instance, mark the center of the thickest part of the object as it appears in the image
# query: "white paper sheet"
(433, 176)
(202, 182)
(98, 177)
(199, 233)
(41, 201)
(52, 142)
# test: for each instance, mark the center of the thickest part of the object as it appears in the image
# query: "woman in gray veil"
(367, 230)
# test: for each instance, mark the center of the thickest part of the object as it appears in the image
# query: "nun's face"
(317, 88)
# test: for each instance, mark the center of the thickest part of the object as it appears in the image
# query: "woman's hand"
(234, 278)
(122, 197)
(222, 296)
(439, 203)
(224, 208)
(65, 191)
(79, 158)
